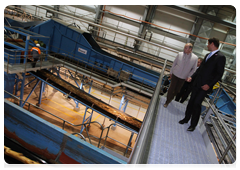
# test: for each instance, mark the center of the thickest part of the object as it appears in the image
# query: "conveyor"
(88, 100)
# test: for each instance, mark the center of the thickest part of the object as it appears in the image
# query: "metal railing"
(81, 63)
(221, 128)
(17, 58)
(85, 125)
(142, 146)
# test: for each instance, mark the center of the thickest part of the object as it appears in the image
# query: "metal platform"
(173, 144)
(19, 68)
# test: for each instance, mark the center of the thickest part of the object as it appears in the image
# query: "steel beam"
(30, 93)
(204, 16)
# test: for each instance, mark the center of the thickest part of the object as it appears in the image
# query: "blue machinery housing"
(46, 139)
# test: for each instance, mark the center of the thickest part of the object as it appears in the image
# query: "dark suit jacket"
(210, 71)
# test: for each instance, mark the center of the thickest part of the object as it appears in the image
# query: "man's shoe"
(191, 129)
(182, 121)
(165, 105)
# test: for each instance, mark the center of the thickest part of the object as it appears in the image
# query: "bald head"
(188, 48)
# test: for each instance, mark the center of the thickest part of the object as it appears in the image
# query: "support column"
(230, 54)
(26, 49)
(42, 87)
(197, 25)
(97, 19)
(22, 90)
(121, 102)
(147, 16)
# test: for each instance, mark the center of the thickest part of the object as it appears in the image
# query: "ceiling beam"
(204, 16)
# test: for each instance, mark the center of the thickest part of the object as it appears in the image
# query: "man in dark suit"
(208, 74)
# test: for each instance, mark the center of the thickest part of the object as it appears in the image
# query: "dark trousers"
(193, 110)
(175, 87)
(184, 92)
(34, 62)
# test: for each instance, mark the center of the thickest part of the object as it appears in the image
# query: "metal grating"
(172, 143)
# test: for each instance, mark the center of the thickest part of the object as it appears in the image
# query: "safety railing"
(221, 128)
(141, 148)
(79, 62)
(86, 125)
(17, 58)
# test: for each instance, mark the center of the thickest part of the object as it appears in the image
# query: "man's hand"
(205, 87)
(189, 79)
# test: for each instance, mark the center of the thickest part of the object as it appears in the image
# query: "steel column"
(40, 93)
(121, 102)
(22, 90)
(87, 120)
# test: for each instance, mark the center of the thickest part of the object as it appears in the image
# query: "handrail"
(67, 56)
(220, 118)
(221, 121)
(142, 143)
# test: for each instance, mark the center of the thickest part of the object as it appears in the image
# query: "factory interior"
(96, 93)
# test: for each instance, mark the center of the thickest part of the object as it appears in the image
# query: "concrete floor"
(56, 103)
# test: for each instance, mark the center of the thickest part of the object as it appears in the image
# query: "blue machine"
(224, 103)
(49, 141)
(82, 47)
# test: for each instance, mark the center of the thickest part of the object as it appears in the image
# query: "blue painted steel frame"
(50, 141)
(28, 35)
(31, 92)
(62, 33)
(86, 120)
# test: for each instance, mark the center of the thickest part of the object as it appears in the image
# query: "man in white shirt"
(183, 67)
(186, 88)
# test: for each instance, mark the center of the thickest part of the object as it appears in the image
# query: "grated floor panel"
(172, 143)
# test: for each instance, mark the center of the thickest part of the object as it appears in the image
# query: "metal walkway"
(172, 143)
(19, 68)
